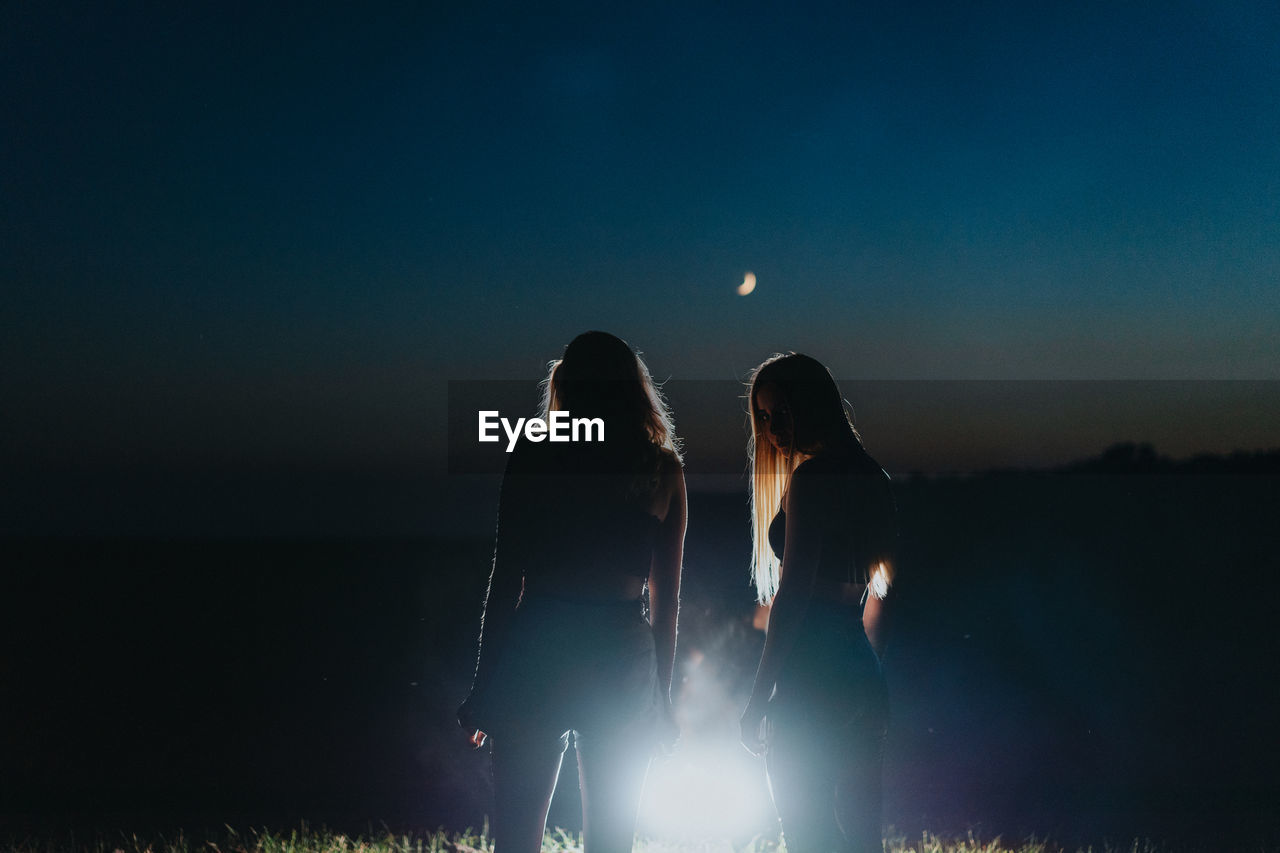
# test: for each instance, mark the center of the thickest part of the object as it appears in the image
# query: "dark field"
(1080, 656)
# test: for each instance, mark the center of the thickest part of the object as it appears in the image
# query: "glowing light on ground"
(710, 791)
(748, 284)
(706, 794)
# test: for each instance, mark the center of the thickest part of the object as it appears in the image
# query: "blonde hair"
(819, 420)
(770, 473)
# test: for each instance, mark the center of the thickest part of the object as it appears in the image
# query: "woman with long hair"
(823, 523)
(585, 529)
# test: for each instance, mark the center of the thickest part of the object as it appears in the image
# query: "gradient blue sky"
(237, 233)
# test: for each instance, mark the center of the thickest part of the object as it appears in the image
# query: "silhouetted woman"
(583, 529)
(823, 522)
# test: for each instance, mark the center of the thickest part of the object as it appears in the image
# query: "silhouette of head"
(803, 409)
(600, 376)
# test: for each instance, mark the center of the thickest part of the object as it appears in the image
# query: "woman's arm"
(880, 543)
(506, 579)
(874, 623)
(804, 505)
(664, 577)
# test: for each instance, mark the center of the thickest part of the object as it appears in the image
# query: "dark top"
(571, 511)
(857, 525)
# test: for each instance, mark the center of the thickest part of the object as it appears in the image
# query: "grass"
(309, 840)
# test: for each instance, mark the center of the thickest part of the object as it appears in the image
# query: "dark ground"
(1086, 656)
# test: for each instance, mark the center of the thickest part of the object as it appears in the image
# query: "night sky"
(252, 238)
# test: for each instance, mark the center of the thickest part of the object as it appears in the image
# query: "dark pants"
(610, 773)
(826, 788)
(585, 668)
(826, 728)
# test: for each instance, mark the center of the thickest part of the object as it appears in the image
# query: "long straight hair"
(819, 419)
(600, 375)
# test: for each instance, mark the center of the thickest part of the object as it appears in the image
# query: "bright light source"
(706, 794)
(711, 791)
(748, 284)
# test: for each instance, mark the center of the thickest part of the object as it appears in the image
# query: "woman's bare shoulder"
(669, 461)
(670, 470)
(670, 488)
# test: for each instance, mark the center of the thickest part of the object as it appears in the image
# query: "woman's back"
(582, 521)
(856, 516)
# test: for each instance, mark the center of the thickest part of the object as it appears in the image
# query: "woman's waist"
(833, 628)
(830, 648)
(581, 626)
(602, 587)
(838, 593)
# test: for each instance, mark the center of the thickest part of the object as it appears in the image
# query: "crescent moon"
(748, 284)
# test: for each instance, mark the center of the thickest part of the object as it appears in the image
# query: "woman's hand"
(466, 719)
(751, 723)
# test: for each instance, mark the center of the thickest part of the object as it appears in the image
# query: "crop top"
(857, 527)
